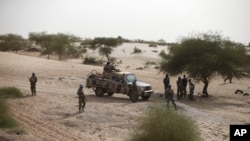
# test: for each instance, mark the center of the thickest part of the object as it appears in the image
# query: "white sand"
(53, 113)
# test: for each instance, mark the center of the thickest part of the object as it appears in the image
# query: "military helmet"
(81, 86)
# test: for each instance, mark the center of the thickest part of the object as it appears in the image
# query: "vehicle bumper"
(148, 92)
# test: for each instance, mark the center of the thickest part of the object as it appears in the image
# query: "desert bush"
(150, 63)
(152, 45)
(8, 92)
(73, 52)
(92, 60)
(162, 124)
(155, 51)
(33, 49)
(137, 50)
(157, 67)
(89, 60)
(5, 120)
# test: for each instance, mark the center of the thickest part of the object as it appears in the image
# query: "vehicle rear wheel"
(133, 95)
(146, 97)
(99, 92)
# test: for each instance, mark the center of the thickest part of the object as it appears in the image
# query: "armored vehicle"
(119, 83)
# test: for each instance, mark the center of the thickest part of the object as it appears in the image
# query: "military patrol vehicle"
(119, 82)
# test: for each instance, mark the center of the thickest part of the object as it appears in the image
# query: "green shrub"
(8, 92)
(137, 50)
(89, 60)
(152, 45)
(155, 51)
(150, 63)
(162, 124)
(5, 120)
(157, 67)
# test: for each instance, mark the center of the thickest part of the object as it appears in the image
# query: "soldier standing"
(166, 82)
(184, 81)
(179, 88)
(229, 77)
(33, 80)
(169, 95)
(82, 98)
(191, 89)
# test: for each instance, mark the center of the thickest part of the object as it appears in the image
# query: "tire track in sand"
(44, 130)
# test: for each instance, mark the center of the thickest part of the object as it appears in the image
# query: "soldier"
(82, 98)
(229, 77)
(191, 89)
(179, 88)
(169, 95)
(184, 81)
(166, 82)
(33, 80)
(108, 68)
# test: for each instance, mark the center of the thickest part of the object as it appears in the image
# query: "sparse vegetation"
(150, 63)
(156, 51)
(105, 45)
(60, 44)
(162, 124)
(204, 56)
(10, 92)
(5, 120)
(137, 50)
(92, 61)
(12, 42)
(152, 44)
(157, 67)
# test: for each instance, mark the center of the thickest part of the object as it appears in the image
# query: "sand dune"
(53, 113)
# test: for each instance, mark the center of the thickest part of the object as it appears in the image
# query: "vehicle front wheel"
(146, 97)
(133, 95)
(99, 92)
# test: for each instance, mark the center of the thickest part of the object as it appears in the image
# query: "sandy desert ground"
(53, 115)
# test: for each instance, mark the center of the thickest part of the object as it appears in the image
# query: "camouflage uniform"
(33, 80)
(179, 88)
(108, 68)
(169, 95)
(166, 82)
(82, 99)
(184, 82)
(191, 89)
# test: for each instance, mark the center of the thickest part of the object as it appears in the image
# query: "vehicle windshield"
(130, 78)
